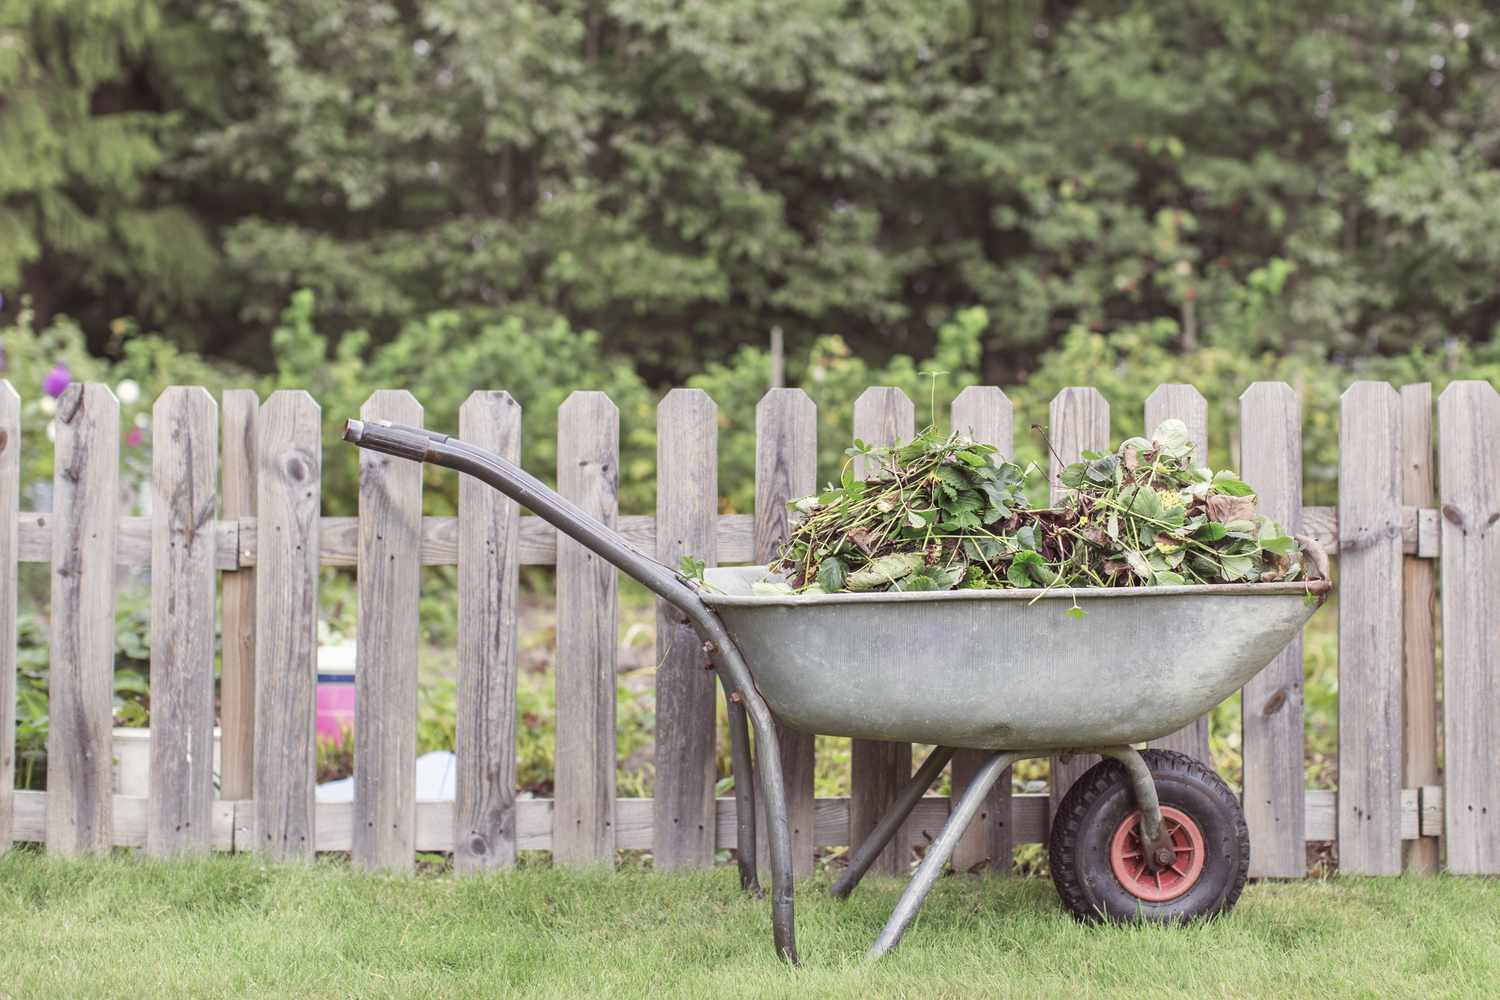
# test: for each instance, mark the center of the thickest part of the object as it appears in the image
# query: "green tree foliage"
(86, 223)
(684, 177)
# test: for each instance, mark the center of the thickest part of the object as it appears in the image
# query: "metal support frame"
(964, 809)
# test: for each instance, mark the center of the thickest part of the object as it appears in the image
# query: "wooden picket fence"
(236, 503)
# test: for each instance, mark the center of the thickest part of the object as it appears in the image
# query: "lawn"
(232, 926)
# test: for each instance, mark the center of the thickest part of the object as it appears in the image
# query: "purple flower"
(135, 437)
(57, 380)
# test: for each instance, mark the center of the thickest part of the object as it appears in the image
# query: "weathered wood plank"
(537, 544)
(1469, 474)
(130, 820)
(1420, 753)
(484, 810)
(1176, 401)
(132, 540)
(10, 494)
(240, 409)
(882, 416)
(588, 473)
(1370, 647)
(1271, 703)
(184, 500)
(786, 468)
(385, 675)
(1078, 422)
(289, 450)
(85, 500)
(236, 543)
(687, 498)
(1420, 816)
(984, 413)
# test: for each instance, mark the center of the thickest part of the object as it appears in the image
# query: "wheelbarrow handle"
(421, 445)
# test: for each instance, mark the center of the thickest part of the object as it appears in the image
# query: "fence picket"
(484, 808)
(85, 498)
(687, 499)
(1176, 401)
(240, 409)
(10, 493)
(289, 449)
(1469, 473)
(984, 413)
(588, 473)
(1078, 421)
(1420, 758)
(1271, 703)
(1370, 646)
(786, 468)
(385, 674)
(184, 500)
(882, 416)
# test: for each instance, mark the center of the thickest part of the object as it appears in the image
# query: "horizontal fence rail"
(237, 541)
(235, 493)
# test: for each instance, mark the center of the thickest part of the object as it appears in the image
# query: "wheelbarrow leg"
(964, 811)
(744, 789)
(772, 783)
(911, 793)
(1154, 837)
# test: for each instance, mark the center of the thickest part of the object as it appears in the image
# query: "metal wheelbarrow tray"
(1143, 835)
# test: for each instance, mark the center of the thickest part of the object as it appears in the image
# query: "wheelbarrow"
(1150, 834)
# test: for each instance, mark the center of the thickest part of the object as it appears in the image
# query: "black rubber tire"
(1092, 811)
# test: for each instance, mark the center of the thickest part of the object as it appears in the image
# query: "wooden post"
(687, 510)
(984, 413)
(882, 415)
(1176, 401)
(1079, 422)
(588, 473)
(85, 514)
(10, 494)
(289, 448)
(1469, 473)
(1370, 647)
(1271, 703)
(184, 500)
(1420, 759)
(489, 525)
(786, 469)
(385, 672)
(237, 673)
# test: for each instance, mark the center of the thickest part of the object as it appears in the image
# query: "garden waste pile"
(945, 513)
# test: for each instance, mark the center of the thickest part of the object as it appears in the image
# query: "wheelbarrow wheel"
(1095, 848)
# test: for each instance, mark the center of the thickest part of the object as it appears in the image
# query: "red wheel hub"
(1162, 882)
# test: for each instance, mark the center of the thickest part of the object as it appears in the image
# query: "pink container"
(335, 694)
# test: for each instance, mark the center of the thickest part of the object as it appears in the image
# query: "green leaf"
(1072, 476)
(885, 570)
(1282, 545)
(1172, 438)
(1019, 571)
(1210, 531)
(1167, 578)
(1237, 567)
(1227, 482)
(832, 573)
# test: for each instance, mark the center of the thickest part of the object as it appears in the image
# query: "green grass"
(233, 926)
